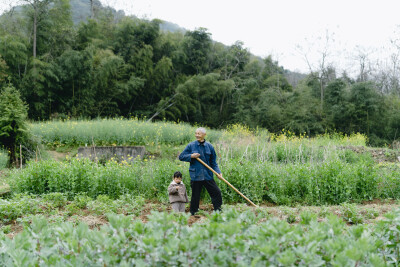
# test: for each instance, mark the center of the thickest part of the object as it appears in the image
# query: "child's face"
(178, 180)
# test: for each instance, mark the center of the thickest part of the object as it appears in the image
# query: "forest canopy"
(82, 60)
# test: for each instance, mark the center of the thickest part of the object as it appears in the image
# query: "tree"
(387, 75)
(14, 52)
(40, 85)
(365, 66)
(324, 69)
(91, 9)
(133, 35)
(303, 112)
(108, 70)
(336, 105)
(13, 115)
(88, 33)
(234, 59)
(392, 129)
(364, 108)
(3, 70)
(201, 99)
(161, 80)
(39, 8)
(73, 68)
(55, 32)
(273, 75)
(196, 47)
(167, 45)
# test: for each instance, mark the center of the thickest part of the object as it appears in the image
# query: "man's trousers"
(212, 189)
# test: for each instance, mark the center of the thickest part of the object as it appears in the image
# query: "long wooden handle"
(228, 183)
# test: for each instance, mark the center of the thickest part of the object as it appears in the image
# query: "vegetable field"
(321, 201)
(234, 237)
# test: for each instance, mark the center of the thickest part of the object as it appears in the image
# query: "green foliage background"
(105, 64)
(13, 122)
(113, 66)
(234, 237)
(326, 183)
(284, 169)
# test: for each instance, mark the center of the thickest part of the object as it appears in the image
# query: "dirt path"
(59, 156)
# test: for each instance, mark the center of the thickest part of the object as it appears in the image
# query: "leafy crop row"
(236, 141)
(288, 152)
(331, 182)
(23, 205)
(114, 132)
(230, 238)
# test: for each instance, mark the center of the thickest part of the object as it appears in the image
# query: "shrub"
(351, 214)
(81, 200)
(129, 204)
(13, 115)
(306, 217)
(102, 205)
(19, 205)
(328, 183)
(6, 229)
(57, 200)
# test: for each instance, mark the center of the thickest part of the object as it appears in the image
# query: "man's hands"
(195, 155)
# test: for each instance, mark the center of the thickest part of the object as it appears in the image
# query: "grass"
(4, 188)
(3, 160)
(241, 143)
(166, 140)
(100, 132)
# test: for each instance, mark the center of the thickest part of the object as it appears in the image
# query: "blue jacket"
(198, 172)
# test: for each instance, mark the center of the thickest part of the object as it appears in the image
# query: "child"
(177, 193)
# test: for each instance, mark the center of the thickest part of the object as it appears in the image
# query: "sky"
(286, 29)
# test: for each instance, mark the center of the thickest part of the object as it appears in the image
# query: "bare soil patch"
(59, 156)
(378, 154)
(92, 221)
(15, 229)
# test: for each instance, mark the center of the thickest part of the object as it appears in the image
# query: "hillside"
(81, 11)
(118, 65)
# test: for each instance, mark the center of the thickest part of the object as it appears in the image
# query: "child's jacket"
(179, 195)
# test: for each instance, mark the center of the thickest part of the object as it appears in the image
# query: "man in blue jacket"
(199, 175)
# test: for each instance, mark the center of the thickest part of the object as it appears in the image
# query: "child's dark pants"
(212, 189)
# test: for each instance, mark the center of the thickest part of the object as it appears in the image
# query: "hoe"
(221, 178)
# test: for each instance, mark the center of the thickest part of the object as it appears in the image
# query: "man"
(200, 175)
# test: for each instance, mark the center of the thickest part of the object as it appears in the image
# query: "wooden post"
(221, 178)
(20, 154)
(94, 150)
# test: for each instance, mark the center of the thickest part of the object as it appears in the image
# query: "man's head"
(177, 177)
(200, 134)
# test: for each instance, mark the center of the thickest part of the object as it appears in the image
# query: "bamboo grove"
(68, 59)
